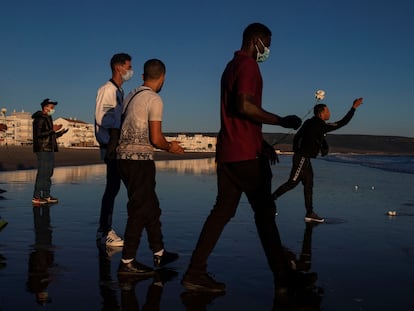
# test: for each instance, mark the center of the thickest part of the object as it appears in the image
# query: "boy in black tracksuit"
(307, 143)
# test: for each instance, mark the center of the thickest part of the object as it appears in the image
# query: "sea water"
(393, 163)
(362, 256)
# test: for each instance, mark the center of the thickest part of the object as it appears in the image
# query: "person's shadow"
(303, 293)
(41, 259)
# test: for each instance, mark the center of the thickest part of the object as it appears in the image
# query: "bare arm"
(247, 108)
(158, 140)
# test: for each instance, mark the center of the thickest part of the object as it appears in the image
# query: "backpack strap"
(126, 106)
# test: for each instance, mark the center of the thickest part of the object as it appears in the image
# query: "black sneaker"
(165, 259)
(313, 217)
(202, 283)
(135, 268)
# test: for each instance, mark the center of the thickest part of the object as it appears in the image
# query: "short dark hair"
(119, 59)
(255, 30)
(153, 69)
(317, 109)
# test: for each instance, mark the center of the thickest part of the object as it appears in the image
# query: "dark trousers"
(113, 184)
(45, 166)
(301, 172)
(252, 177)
(143, 206)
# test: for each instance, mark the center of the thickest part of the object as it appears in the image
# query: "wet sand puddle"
(363, 257)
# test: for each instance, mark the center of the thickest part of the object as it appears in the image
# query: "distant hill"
(353, 143)
(343, 143)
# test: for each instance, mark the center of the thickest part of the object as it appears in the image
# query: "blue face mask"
(261, 57)
(50, 112)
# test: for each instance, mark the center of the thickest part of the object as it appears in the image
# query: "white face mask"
(261, 57)
(50, 112)
(127, 75)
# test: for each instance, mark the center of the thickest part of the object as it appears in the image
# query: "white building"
(196, 142)
(82, 134)
(19, 128)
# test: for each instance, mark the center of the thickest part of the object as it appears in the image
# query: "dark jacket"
(310, 139)
(44, 137)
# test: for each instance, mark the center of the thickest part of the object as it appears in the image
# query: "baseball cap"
(47, 101)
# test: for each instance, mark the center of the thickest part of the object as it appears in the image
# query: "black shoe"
(165, 259)
(202, 283)
(135, 268)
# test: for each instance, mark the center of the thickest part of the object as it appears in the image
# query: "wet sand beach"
(363, 258)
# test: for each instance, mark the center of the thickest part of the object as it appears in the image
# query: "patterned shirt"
(139, 110)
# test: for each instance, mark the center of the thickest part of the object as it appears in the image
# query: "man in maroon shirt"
(242, 161)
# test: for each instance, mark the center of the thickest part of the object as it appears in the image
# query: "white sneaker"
(112, 239)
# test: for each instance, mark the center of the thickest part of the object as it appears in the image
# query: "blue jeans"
(45, 166)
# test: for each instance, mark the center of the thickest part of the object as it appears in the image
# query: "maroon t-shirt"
(239, 139)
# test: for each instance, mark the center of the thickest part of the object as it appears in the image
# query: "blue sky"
(349, 48)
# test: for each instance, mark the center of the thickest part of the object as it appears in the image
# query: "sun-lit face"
(124, 67)
(49, 107)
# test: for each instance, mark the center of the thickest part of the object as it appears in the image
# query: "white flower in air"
(320, 94)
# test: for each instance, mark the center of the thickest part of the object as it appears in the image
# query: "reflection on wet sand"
(193, 166)
(41, 259)
(107, 285)
(77, 174)
(303, 294)
(68, 275)
(129, 300)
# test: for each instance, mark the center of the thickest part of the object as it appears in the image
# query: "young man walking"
(108, 112)
(243, 161)
(141, 132)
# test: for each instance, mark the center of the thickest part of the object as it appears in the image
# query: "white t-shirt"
(146, 106)
(108, 110)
